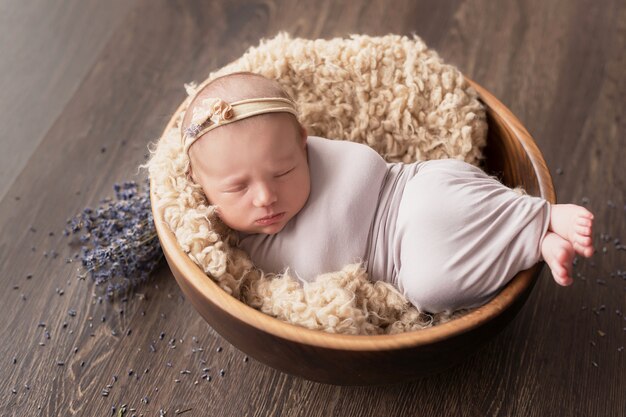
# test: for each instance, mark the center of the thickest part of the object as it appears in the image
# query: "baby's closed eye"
(235, 190)
(286, 172)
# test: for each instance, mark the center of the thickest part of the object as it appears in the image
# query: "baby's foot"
(573, 223)
(558, 253)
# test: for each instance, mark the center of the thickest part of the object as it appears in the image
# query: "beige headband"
(214, 112)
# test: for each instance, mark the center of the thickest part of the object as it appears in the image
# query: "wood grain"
(44, 54)
(557, 65)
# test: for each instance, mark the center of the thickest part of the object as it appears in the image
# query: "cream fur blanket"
(391, 93)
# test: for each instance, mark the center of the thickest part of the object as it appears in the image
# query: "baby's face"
(254, 168)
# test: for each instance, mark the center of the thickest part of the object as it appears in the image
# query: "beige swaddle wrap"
(446, 234)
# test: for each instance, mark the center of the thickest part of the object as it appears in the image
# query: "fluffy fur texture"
(391, 93)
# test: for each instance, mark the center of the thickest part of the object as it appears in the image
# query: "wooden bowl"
(339, 359)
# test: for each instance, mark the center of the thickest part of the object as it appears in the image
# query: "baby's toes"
(583, 212)
(583, 230)
(561, 275)
(585, 251)
(583, 240)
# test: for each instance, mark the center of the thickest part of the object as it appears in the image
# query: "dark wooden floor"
(558, 65)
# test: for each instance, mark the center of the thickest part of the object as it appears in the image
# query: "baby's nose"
(264, 196)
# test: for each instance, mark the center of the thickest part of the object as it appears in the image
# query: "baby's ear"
(303, 134)
(190, 175)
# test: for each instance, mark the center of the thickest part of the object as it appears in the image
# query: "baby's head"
(254, 167)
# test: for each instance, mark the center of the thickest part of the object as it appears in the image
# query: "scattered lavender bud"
(60, 363)
(72, 312)
(559, 171)
(594, 364)
(82, 363)
(222, 372)
(14, 360)
(245, 359)
(219, 349)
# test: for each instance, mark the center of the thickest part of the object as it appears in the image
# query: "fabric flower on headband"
(214, 110)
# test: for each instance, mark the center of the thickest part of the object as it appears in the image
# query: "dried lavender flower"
(120, 246)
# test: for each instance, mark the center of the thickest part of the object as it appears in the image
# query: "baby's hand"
(569, 233)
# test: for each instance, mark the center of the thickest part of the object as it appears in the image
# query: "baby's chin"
(271, 229)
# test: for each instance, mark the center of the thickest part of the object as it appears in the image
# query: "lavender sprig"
(120, 246)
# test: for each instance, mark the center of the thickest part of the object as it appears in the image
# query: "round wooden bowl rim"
(209, 290)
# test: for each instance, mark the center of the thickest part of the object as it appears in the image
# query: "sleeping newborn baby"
(446, 234)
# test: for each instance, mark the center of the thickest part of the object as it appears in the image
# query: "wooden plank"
(557, 65)
(44, 54)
